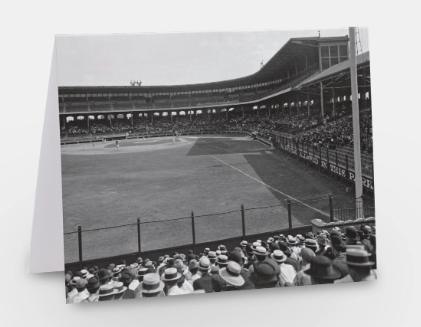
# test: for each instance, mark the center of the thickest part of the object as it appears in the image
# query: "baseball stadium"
(151, 170)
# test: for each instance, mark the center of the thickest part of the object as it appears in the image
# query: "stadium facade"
(305, 72)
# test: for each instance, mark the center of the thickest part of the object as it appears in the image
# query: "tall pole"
(356, 127)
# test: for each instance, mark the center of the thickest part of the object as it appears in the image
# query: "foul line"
(272, 188)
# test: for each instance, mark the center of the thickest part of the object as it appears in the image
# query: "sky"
(172, 58)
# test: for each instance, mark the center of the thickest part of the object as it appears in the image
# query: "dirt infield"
(157, 180)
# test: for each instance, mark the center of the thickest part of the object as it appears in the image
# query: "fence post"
(289, 216)
(243, 222)
(139, 246)
(330, 207)
(79, 236)
(193, 232)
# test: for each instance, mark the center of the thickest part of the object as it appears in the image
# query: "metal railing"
(138, 236)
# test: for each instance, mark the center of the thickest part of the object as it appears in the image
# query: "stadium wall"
(230, 243)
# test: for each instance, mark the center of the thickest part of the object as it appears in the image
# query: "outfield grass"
(158, 180)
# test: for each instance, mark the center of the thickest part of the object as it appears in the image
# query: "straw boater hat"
(119, 287)
(141, 272)
(204, 264)
(255, 245)
(357, 257)
(218, 252)
(151, 284)
(222, 260)
(278, 256)
(231, 274)
(106, 290)
(321, 268)
(84, 273)
(243, 243)
(260, 250)
(212, 255)
(170, 274)
(291, 240)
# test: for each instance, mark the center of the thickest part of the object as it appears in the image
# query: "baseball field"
(161, 179)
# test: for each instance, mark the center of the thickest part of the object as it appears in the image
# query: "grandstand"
(297, 107)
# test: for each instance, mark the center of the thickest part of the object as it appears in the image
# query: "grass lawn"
(162, 179)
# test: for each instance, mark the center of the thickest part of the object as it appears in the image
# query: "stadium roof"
(334, 70)
(295, 52)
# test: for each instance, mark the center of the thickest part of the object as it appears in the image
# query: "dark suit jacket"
(203, 283)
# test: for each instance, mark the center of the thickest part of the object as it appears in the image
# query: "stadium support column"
(111, 118)
(131, 118)
(242, 110)
(296, 104)
(356, 128)
(289, 106)
(333, 103)
(308, 104)
(321, 103)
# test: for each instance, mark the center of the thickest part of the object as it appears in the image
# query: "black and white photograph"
(215, 161)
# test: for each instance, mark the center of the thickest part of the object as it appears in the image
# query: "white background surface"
(27, 35)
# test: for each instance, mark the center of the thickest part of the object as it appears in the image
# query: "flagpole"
(356, 128)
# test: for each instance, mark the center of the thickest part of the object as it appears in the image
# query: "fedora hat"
(352, 233)
(106, 290)
(193, 264)
(322, 240)
(126, 278)
(260, 250)
(236, 256)
(81, 283)
(151, 284)
(243, 243)
(222, 247)
(321, 268)
(336, 240)
(358, 257)
(307, 254)
(278, 256)
(222, 260)
(232, 274)
(270, 240)
(204, 263)
(170, 274)
(93, 283)
(119, 287)
(265, 272)
(103, 274)
(180, 266)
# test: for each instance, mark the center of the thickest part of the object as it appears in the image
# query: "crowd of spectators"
(338, 256)
(314, 130)
(340, 134)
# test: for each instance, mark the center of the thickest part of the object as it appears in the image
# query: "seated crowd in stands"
(308, 129)
(280, 261)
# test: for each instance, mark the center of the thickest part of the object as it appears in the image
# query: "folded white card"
(46, 252)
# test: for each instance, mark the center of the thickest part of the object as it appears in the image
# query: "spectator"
(205, 281)
(359, 266)
(287, 275)
(231, 274)
(151, 286)
(321, 271)
(306, 255)
(171, 277)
